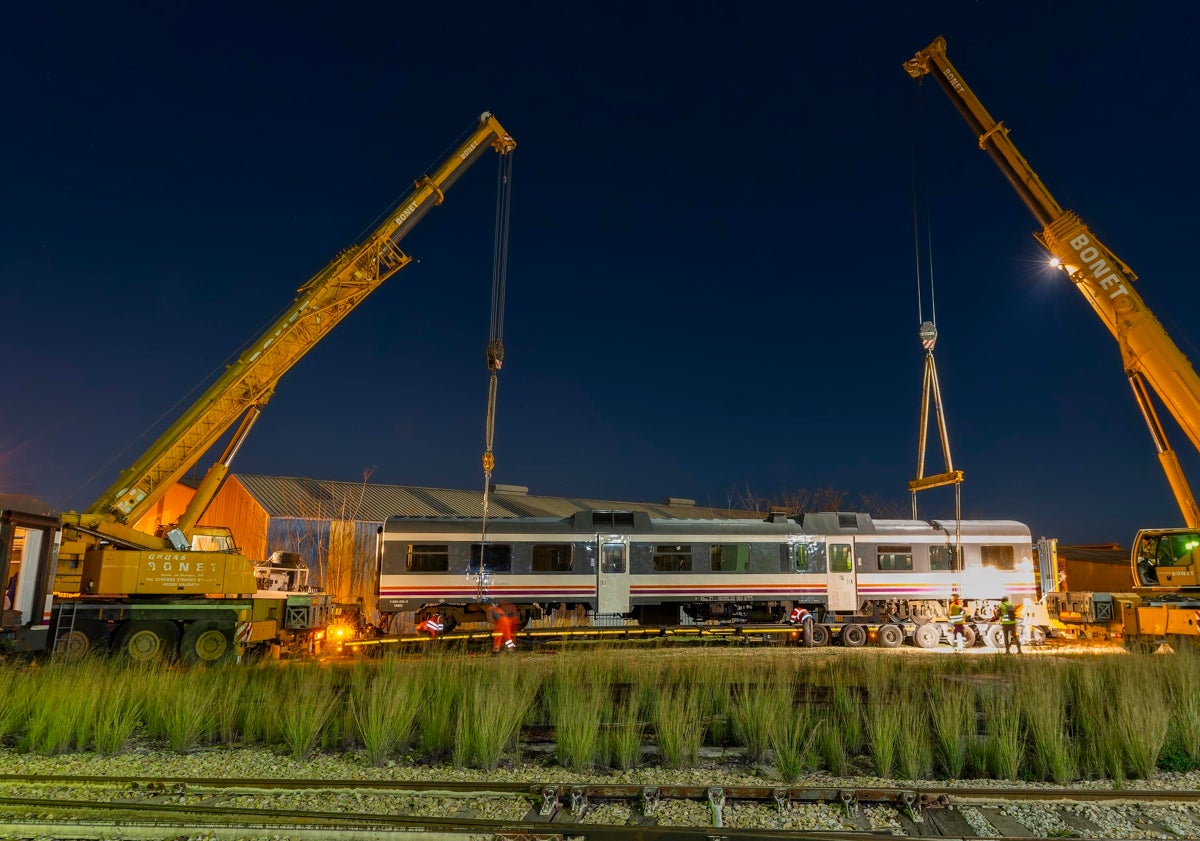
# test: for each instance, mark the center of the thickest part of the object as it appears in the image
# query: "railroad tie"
(1004, 824)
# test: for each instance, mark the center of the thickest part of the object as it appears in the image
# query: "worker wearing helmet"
(958, 624)
(1008, 622)
(432, 625)
(803, 617)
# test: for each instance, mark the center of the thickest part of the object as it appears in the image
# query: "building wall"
(234, 507)
(1097, 576)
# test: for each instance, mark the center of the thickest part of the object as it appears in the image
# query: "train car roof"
(639, 522)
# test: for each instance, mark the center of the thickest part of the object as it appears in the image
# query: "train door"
(612, 575)
(843, 583)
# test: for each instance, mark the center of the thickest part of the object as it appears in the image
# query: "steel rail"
(926, 796)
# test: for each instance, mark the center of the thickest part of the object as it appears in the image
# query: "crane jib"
(1105, 275)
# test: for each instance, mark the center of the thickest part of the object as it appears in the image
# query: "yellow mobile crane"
(187, 588)
(1162, 564)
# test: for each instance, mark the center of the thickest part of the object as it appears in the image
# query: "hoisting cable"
(495, 346)
(931, 391)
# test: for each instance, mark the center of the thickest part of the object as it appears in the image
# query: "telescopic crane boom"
(1150, 357)
(246, 386)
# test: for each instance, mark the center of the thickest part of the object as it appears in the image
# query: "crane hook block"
(928, 334)
(489, 462)
(495, 356)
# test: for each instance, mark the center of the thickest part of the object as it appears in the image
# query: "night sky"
(712, 283)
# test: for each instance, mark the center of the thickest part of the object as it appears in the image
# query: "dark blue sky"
(712, 280)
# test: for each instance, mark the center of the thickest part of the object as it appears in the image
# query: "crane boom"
(1148, 353)
(248, 383)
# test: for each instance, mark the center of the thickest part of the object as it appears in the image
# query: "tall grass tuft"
(118, 712)
(757, 706)
(230, 685)
(1140, 715)
(498, 700)
(1003, 736)
(952, 713)
(445, 685)
(792, 741)
(914, 747)
(306, 707)
(576, 697)
(846, 706)
(50, 724)
(624, 730)
(1087, 705)
(885, 721)
(679, 724)
(13, 698)
(178, 707)
(1042, 698)
(265, 690)
(384, 701)
(1183, 698)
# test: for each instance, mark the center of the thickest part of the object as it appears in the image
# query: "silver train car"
(845, 567)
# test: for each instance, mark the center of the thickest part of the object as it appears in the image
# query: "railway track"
(67, 807)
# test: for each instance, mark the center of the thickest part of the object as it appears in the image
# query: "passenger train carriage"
(842, 566)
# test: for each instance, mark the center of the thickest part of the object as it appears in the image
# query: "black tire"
(74, 647)
(147, 641)
(854, 636)
(820, 635)
(927, 636)
(969, 636)
(993, 637)
(207, 642)
(891, 636)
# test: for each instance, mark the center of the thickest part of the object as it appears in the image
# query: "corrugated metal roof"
(321, 499)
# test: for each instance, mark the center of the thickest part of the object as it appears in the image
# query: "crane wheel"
(74, 646)
(207, 642)
(994, 637)
(820, 635)
(147, 641)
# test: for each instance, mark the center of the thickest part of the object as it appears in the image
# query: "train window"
(730, 557)
(841, 557)
(670, 557)
(809, 557)
(945, 558)
(612, 558)
(496, 557)
(893, 558)
(426, 557)
(552, 557)
(997, 557)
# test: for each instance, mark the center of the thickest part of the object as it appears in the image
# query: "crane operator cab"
(1166, 558)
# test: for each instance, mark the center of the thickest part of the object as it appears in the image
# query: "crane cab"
(1166, 558)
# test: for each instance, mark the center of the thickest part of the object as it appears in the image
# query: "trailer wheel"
(207, 642)
(927, 636)
(891, 636)
(994, 637)
(147, 641)
(854, 636)
(820, 635)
